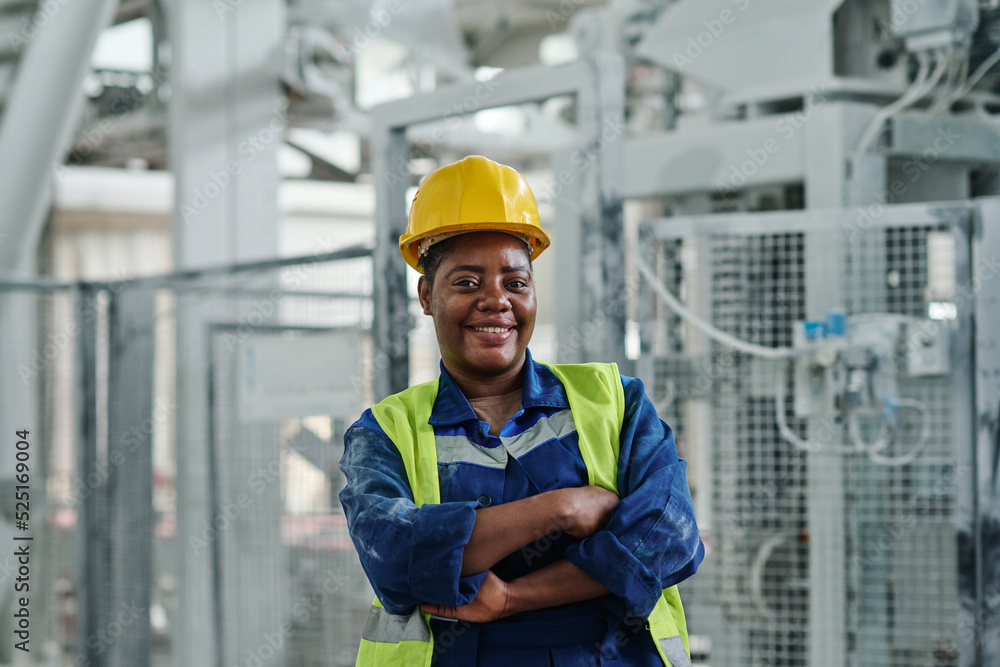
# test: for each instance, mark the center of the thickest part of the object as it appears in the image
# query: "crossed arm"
(650, 541)
(503, 529)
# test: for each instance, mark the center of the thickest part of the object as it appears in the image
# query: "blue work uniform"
(413, 555)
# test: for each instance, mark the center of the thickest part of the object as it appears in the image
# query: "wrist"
(515, 598)
(563, 510)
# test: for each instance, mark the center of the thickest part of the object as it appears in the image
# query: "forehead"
(482, 247)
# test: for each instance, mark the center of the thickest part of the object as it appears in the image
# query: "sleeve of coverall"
(651, 541)
(410, 554)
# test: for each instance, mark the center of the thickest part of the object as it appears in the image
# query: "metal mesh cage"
(193, 485)
(814, 558)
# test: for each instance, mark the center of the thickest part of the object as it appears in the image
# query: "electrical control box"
(849, 363)
(926, 352)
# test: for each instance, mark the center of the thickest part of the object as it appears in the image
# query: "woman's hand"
(491, 603)
(585, 510)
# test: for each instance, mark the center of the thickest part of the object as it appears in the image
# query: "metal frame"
(226, 120)
(980, 611)
(115, 529)
(776, 222)
(114, 556)
(975, 416)
(812, 151)
(599, 86)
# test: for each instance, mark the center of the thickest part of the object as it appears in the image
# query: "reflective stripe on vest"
(394, 628)
(597, 409)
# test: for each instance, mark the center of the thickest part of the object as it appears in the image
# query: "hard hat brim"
(539, 240)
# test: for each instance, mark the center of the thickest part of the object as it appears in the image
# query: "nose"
(495, 298)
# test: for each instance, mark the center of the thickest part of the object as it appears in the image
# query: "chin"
(492, 362)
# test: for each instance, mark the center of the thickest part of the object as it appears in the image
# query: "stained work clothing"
(413, 555)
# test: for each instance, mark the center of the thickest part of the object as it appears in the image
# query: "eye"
(517, 283)
(465, 282)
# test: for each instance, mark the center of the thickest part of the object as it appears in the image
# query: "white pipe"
(712, 332)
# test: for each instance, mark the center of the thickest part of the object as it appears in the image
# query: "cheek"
(527, 309)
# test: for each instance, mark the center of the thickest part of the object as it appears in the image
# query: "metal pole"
(391, 325)
(93, 543)
(979, 629)
(130, 521)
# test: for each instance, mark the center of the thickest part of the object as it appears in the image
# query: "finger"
(439, 610)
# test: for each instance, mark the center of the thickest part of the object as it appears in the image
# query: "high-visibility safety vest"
(597, 402)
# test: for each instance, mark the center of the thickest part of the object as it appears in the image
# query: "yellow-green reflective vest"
(597, 402)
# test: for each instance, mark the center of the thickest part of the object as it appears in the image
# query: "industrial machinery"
(827, 412)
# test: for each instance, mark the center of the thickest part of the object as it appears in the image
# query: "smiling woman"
(482, 299)
(512, 512)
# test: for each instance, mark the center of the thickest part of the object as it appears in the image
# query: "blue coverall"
(414, 555)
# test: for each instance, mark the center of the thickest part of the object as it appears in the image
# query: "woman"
(512, 513)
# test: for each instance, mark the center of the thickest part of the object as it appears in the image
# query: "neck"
(477, 386)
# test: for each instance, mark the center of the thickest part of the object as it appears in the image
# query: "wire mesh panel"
(281, 358)
(189, 429)
(36, 396)
(824, 477)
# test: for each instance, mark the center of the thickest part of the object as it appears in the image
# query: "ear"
(424, 294)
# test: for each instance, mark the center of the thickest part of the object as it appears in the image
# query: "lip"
(492, 336)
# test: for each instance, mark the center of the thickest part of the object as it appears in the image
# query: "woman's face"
(483, 304)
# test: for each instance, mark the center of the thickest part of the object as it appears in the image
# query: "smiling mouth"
(492, 329)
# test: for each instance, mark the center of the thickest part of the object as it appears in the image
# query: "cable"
(757, 574)
(917, 449)
(663, 404)
(979, 74)
(873, 450)
(881, 442)
(952, 82)
(920, 87)
(786, 432)
(779, 417)
(903, 101)
(708, 329)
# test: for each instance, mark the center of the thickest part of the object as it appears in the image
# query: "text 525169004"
(22, 543)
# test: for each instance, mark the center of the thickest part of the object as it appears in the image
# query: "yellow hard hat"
(474, 194)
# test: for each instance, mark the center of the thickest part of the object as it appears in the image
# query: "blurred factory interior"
(782, 216)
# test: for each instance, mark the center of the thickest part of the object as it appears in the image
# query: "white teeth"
(490, 329)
